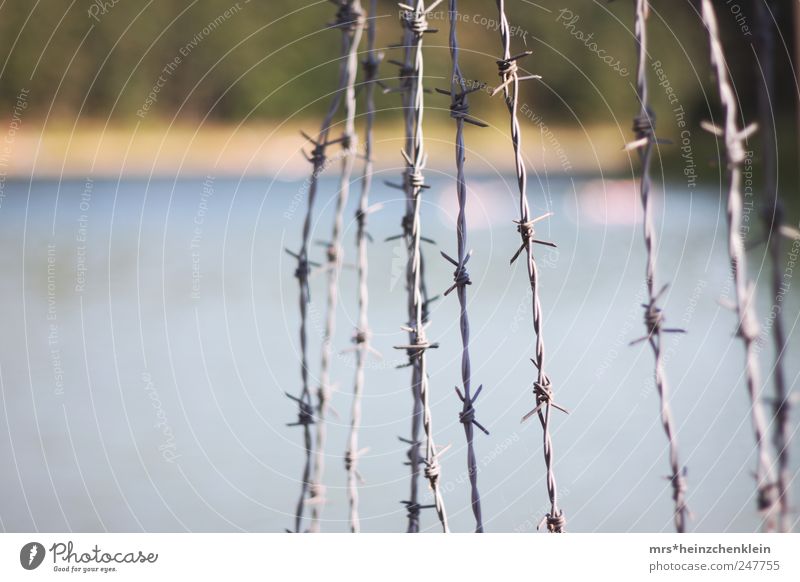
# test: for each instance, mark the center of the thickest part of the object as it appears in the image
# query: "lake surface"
(149, 331)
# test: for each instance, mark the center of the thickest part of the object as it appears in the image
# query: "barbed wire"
(405, 88)
(414, 18)
(775, 229)
(350, 19)
(362, 334)
(644, 128)
(318, 160)
(459, 111)
(542, 387)
(745, 291)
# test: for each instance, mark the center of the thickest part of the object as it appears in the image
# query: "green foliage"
(273, 59)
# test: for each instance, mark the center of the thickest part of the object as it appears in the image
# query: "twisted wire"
(406, 88)
(747, 328)
(773, 216)
(362, 335)
(318, 159)
(459, 111)
(644, 129)
(509, 74)
(414, 19)
(351, 20)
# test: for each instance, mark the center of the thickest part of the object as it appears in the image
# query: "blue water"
(149, 330)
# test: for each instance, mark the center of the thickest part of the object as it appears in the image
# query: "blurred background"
(151, 174)
(252, 70)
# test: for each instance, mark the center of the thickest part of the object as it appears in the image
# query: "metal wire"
(542, 387)
(773, 216)
(362, 334)
(459, 111)
(748, 328)
(414, 18)
(351, 20)
(644, 128)
(406, 89)
(318, 160)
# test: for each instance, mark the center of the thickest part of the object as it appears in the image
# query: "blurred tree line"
(271, 59)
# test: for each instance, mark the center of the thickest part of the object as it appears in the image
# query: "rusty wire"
(773, 217)
(459, 111)
(745, 291)
(414, 19)
(350, 19)
(362, 334)
(542, 387)
(644, 128)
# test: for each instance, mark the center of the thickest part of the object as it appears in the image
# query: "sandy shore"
(31, 150)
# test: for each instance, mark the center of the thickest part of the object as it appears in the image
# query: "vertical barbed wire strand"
(644, 128)
(318, 160)
(351, 20)
(362, 335)
(414, 453)
(542, 388)
(415, 18)
(747, 328)
(773, 216)
(459, 111)
(406, 90)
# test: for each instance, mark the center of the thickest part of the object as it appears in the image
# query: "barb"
(459, 111)
(747, 328)
(414, 20)
(509, 75)
(644, 129)
(362, 334)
